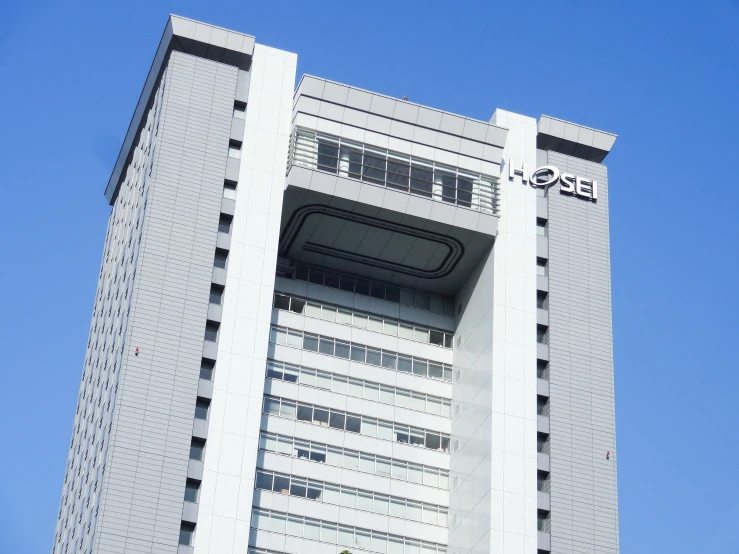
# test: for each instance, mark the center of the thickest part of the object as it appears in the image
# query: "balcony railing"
(394, 170)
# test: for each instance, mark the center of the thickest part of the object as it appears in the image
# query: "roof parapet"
(573, 139)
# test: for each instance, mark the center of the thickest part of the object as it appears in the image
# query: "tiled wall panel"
(582, 418)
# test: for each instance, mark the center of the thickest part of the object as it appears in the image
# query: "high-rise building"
(329, 320)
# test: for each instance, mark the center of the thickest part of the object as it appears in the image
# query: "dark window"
(342, 350)
(362, 287)
(464, 192)
(216, 294)
(264, 481)
(229, 190)
(281, 302)
(197, 449)
(192, 488)
(433, 441)
(421, 181)
(326, 346)
(305, 413)
(298, 487)
(316, 276)
(320, 417)
(224, 223)
(542, 369)
(301, 273)
(221, 258)
(318, 455)
(347, 283)
(358, 353)
(377, 290)
(187, 532)
(542, 300)
(206, 369)
(328, 156)
(310, 342)
(211, 331)
(281, 484)
(274, 371)
(337, 420)
(353, 424)
(436, 337)
(392, 294)
(201, 408)
(332, 280)
(374, 357)
(542, 406)
(297, 305)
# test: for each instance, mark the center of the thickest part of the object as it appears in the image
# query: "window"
(542, 369)
(229, 190)
(216, 294)
(234, 149)
(542, 300)
(544, 522)
(542, 334)
(224, 223)
(542, 443)
(542, 228)
(542, 481)
(192, 490)
(211, 331)
(202, 406)
(187, 533)
(197, 449)
(542, 406)
(221, 258)
(239, 110)
(206, 369)
(542, 267)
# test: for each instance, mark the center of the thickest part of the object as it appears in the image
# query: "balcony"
(394, 170)
(358, 210)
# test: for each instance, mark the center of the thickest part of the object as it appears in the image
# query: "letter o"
(534, 178)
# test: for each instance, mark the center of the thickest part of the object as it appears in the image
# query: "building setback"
(329, 320)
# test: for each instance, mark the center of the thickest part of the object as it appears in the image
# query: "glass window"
(192, 488)
(274, 371)
(384, 430)
(433, 405)
(374, 324)
(341, 350)
(310, 342)
(389, 359)
(369, 427)
(446, 408)
(221, 258)
(420, 334)
(307, 377)
(224, 223)
(401, 433)
(234, 151)
(271, 406)
(267, 442)
(415, 473)
(206, 369)
(413, 511)
(403, 398)
(417, 437)
(295, 338)
(382, 466)
(320, 417)
(331, 280)
(387, 395)
(285, 446)
(374, 357)
(395, 546)
(294, 526)
(277, 523)
(264, 480)
(331, 494)
(339, 384)
(418, 401)
(291, 374)
(355, 388)
(400, 470)
(239, 111)
(422, 301)
(201, 408)
(379, 542)
(351, 459)
(405, 364)
(362, 539)
(362, 287)
(337, 420)
(329, 533)
(301, 449)
(430, 477)
(377, 290)
(348, 497)
(301, 272)
(420, 367)
(328, 313)
(382, 504)
(334, 456)
(443, 480)
(359, 321)
(346, 536)
(364, 501)
(281, 484)
(287, 409)
(229, 190)
(211, 331)
(367, 463)
(315, 276)
(318, 453)
(297, 305)
(323, 380)
(435, 371)
(405, 331)
(326, 346)
(312, 529)
(260, 519)
(371, 391)
(281, 302)
(390, 328)
(344, 317)
(433, 441)
(358, 353)
(315, 490)
(353, 424)
(277, 335)
(346, 283)
(397, 507)
(436, 337)
(298, 487)
(312, 309)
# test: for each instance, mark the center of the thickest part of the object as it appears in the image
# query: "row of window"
(351, 459)
(395, 170)
(375, 289)
(354, 423)
(349, 497)
(359, 353)
(361, 320)
(344, 535)
(359, 388)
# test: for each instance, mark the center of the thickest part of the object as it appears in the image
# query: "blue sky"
(662, 75)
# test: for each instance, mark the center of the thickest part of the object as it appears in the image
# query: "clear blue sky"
(662, 75)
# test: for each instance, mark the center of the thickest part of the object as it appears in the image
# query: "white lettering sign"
(548, 176)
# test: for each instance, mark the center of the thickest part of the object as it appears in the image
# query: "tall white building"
(328, 320)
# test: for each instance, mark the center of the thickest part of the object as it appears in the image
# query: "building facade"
(329, 320)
